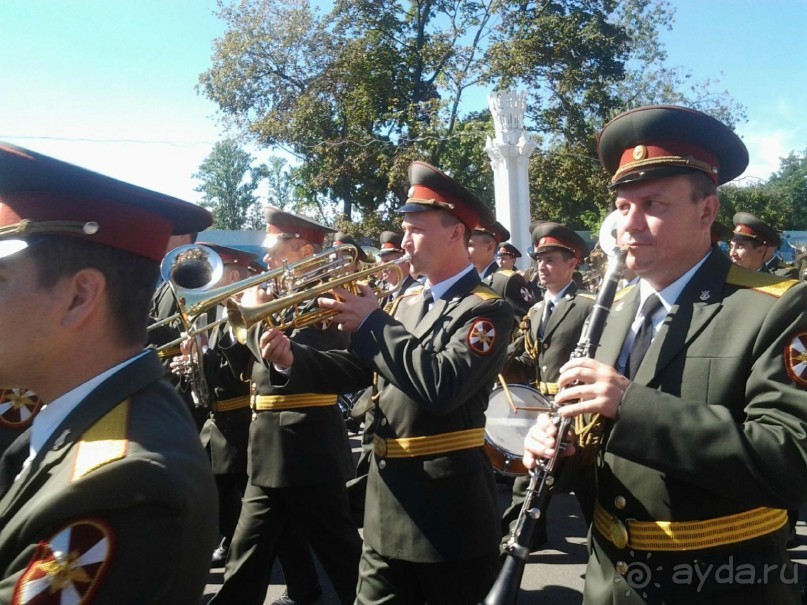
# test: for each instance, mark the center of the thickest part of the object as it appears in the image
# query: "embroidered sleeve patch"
(481, 336)
(796, 359)
(68, 567)
(18, 408)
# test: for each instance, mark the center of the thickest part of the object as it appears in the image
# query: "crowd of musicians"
(149, 435)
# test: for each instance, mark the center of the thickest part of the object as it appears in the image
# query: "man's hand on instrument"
(589, 386)
(187, 345)
(351, 309)
(276, 348)
(542, 441)
(252, 297)
(180, 365)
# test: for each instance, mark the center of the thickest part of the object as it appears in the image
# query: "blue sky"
(109, 84)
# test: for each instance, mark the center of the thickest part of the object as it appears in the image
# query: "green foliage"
(228, 184)
(357, 93)
(781, 201)
(790, 183)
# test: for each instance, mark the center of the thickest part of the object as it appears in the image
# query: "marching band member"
(700, 373)
(113, 464)
(299, 458)
(551, 332)
(431, 519)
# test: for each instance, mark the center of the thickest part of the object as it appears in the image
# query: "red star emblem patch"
(481, 336)
(68, 567)
(796, 359)
(18, 408)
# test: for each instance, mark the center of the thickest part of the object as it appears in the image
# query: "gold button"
(620, 502)
(621, 568)
(254, 415)
(619, 534)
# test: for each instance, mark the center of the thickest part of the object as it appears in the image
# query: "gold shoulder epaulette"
(391, 307)
(485, 293)
(104, 442)
(773, 285)
(588, 295)
(507, 272)
(623, 292)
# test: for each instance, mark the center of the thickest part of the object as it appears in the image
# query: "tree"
(780, 201)
(790, 183)
(359, 92)
(228, 186)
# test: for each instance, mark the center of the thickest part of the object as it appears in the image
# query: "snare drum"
(512, 410)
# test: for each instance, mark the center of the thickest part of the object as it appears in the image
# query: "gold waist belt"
(548, 388)
(288, 402)
(228, 405)
(410, 447)
(688, 535)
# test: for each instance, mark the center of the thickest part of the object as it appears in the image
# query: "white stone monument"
(510, 150)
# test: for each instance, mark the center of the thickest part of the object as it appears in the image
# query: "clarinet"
(505, 589)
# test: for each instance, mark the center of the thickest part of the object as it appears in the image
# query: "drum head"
(511, 412)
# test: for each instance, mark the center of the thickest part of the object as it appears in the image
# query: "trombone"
(284, 311)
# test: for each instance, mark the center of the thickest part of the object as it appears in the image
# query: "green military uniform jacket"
(119, 506)
(163, 306)
(301, 446)
(434, 377)
(512, 287)
(225, 433)
(713, 424)
(558, 342)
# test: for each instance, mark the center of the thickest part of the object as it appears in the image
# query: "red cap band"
(552, 242)
(314, 236)
(419, 194)
(143, 232)
(671, 153)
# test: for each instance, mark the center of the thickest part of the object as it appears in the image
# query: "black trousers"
(321, 511)
(395, 582)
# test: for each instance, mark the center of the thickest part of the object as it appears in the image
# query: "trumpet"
(285, 311)
(194, 270)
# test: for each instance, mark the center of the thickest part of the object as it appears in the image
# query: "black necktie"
(644, 336)
(12, 459)
(549, 306)
(425, 303)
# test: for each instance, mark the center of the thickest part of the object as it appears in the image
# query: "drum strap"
(532, 347)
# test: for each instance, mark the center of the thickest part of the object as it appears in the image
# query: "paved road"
(553, 576)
